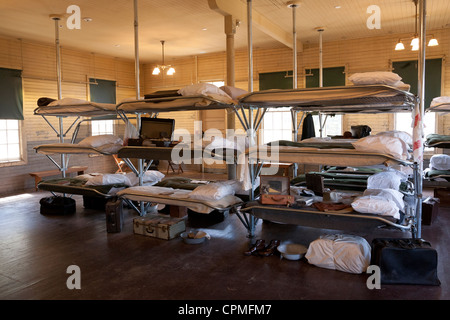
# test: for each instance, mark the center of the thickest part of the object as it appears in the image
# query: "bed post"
(420, 112)
(56, 18)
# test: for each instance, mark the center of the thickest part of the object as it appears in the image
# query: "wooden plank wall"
(360, 55)
(38, 64)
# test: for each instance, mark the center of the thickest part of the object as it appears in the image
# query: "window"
(99, 127)
(217, 83)
(11, 112)
(331, 77)
(277, 123)
(9, 141)
(102, 91)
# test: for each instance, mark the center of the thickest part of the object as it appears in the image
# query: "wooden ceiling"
(191, 27)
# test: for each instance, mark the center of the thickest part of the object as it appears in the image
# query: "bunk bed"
(438, 173)
(329, 100)
(79, 112)
(190, 98)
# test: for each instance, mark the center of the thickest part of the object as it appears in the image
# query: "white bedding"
(177, 197)
(101, 144)
(130, 179)
(76, 107)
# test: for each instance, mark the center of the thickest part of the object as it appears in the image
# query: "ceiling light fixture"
(399, 45)
(163, 67)
(415, 40)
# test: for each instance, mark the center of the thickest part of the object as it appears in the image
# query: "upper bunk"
(70, 107)
(201, 96)
(440, 104)
(435, 140)
(342, 99)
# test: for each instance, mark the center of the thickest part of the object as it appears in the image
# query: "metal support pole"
(294, 44)
(421, 93)
(136, 49)
(250, 45)
(63, 166)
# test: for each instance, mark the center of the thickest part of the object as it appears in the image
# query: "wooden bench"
(41, 174)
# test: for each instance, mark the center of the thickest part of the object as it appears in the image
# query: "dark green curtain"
(408, 70)
(11, 96)
(275, 80)
(102, 91)
(332, 77)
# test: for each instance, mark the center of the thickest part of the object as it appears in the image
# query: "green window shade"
(408, 70)
(332, 77)
(275, 80)
(11, 97)
(102, 91)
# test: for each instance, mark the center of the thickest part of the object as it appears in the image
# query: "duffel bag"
(405, 261)
(57, 205)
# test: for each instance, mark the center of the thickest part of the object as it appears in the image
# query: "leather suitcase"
(57, 205)
(277, 199)
(405, 261)
(114, 215)
(159, 226)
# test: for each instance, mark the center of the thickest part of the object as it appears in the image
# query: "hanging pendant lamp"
(162, 67)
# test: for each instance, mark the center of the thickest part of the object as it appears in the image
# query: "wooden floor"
(36, 250)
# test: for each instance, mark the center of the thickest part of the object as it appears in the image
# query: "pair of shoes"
(259, 245)
(270, 249)
(260, 248)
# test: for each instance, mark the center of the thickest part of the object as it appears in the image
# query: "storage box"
(444, 196)
(158, 226)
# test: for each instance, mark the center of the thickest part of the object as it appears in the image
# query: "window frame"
(22, 147)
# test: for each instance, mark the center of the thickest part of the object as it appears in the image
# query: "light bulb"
(399, 46)
(156, 71)
(171, 71)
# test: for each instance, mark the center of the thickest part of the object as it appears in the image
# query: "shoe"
(270, 249)
(259, 245)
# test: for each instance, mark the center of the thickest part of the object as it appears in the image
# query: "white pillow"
(376, 205)
(385, 180)
(107, 179)
(389, 194)
(212, 191)
(377, 77)
(440, 162)
(233, 92)
(202, 89)
(405, 136)
(67, 102)
(150, 177)
(393, 146)
(100, 140)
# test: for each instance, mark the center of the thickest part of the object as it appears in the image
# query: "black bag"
(360, 131)
(405, 261)
(57, 205)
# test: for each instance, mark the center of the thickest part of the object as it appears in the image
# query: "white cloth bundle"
(340, 252)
